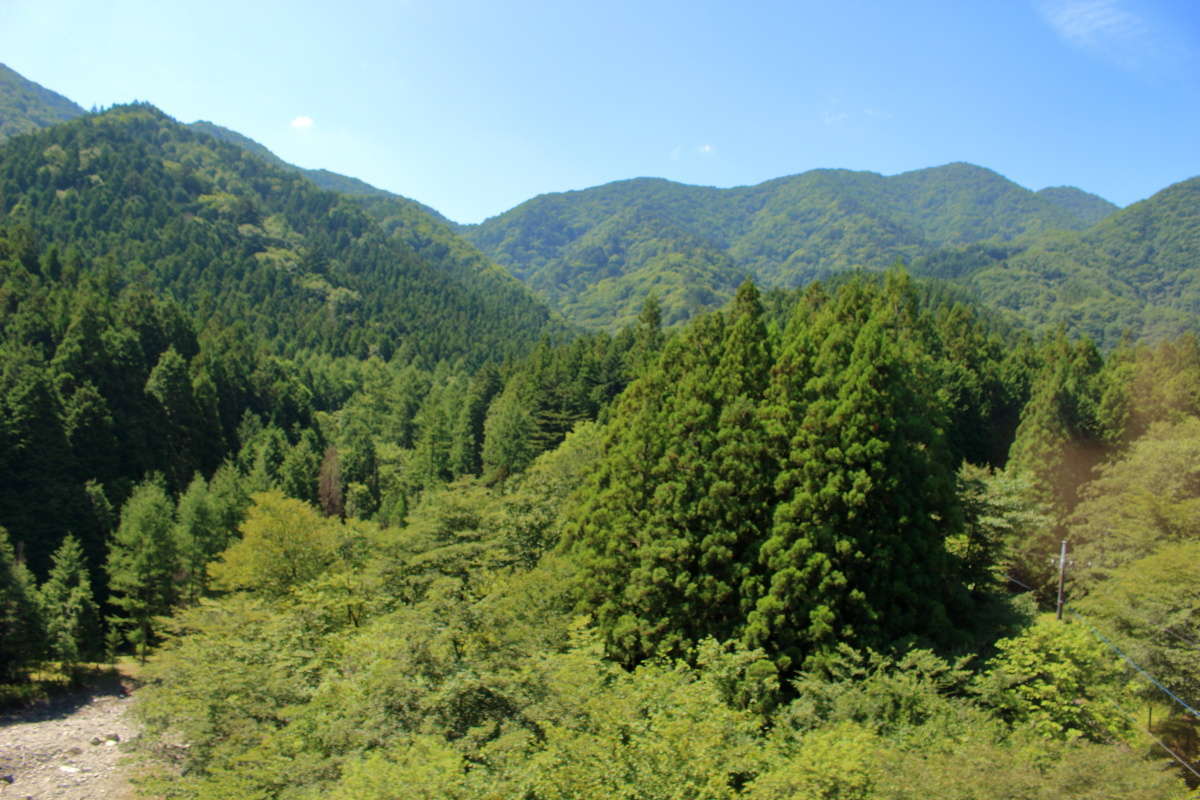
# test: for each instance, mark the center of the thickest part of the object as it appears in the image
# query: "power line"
(1022, 584)
(1136, 666)
(1120, 652)
(1186, 765)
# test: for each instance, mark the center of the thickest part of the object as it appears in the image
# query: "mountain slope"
(1087, 207)
(235, 238)
(25, 106)
(1137, 271)
(785, 232)
(415, 226)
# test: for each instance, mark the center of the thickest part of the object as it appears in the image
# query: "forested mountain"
(323, 178)
(25, 106)
(377, 520)
(232, 237)
(1089, 208)
(1133, 273)
(170, 300)
(784, 232)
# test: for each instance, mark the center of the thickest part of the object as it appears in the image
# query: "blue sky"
(473, 107)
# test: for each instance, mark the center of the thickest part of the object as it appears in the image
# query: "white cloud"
(834, 117)
(1103, 26)
(676, 153)
(706, 150)
(302, 122)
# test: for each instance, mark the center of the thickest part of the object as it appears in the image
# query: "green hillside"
(1089, 208)
(1134, 272)
(785, 232)
(25, 106)
(233, 237)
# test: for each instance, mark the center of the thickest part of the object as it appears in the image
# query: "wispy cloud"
(679, 152)
(1106, 27)
(302, 122)
(832, 118)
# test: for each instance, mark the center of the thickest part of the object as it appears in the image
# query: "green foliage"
(284, 543)
(508, 433)
(25, 106)
(233, 237)
(68, 608)
(21, 633)
(596, 253)
(1149, 606)
(1060, 680)
(142, 562)
(1147, 497)
(856, 549)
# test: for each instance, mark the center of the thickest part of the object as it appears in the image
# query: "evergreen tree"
(69, 611)
(669, 527)
(508, 434)
(648, 337)
(467, 441)
(856, 549)
(200, 535)
(742, 493)
(298, 472)
(21, 636)
(142, 563)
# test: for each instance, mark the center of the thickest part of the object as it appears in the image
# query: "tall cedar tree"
(681, 499)
(856, 550)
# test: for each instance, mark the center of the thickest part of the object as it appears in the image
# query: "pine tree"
(142, 562)
(21, 634)
(467, 441)
(69, 610)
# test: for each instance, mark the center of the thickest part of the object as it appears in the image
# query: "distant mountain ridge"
(1057, 256)
(784, 232)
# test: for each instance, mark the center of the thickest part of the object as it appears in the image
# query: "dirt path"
(69, 749)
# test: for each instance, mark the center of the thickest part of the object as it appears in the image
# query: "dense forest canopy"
(374, 517)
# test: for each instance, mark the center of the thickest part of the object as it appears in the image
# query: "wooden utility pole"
(1062, 573)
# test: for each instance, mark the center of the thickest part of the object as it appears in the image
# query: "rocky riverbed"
(69, 749)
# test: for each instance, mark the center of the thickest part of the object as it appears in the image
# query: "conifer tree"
(69, 611)
(668, 532)
(199, 536)
(1060, 438)
(467, 441)
(21, 635)
(298, 472)
(856, 549)
(508, 434)
(142, 562)
(742, 493)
